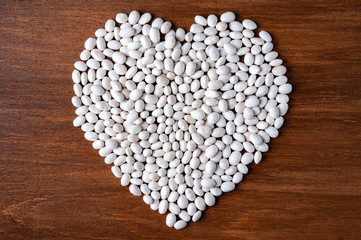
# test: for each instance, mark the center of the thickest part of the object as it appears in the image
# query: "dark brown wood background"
(55, 186)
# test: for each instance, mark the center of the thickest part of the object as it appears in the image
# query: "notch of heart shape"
(180, 115)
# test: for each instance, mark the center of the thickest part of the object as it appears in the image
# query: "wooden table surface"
(55, 186)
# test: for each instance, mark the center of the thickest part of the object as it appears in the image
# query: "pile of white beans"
(180, 115)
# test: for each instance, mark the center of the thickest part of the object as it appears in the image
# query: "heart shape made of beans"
(179, 115)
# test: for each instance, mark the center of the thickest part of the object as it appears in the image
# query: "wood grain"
(54, 186)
